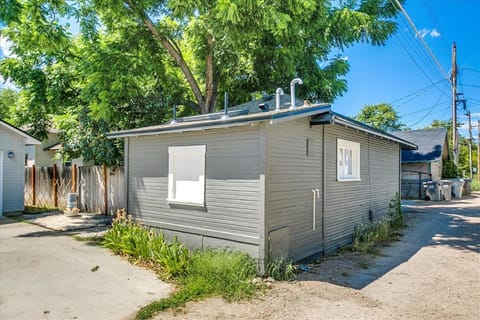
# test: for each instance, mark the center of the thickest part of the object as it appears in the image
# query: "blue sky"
(388, 73)
(402, 73)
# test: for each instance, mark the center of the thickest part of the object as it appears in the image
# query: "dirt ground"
(433, 272)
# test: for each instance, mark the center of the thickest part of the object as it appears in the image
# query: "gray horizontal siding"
(291, 177)
(233, 189)
(348, 203)
(13, 170)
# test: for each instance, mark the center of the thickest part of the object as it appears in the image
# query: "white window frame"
(192, 188)
(353, 149)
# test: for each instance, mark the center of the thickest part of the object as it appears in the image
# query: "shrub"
(145, 245)
(199, 274)
(475, 186)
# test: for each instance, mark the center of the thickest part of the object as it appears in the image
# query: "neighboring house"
(432, 151)
(291, 182)
(12, 170)
(43, 155)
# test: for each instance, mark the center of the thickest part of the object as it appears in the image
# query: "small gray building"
(12, 166)
(288, 182)
(425, 163)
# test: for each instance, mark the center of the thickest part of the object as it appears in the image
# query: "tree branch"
(174, 52)
(209, 76)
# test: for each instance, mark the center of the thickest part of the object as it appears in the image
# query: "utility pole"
(454, 104)
(470, 141)
(478, 150)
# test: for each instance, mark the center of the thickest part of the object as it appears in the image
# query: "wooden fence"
(50, 186)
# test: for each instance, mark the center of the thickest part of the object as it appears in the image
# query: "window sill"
(186, 203)
(348, 179)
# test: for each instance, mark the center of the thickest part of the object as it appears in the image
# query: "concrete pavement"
(48, 275)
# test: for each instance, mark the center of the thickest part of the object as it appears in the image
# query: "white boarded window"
(348, 160)
(186, 175)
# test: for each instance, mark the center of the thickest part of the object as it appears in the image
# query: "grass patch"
(198, 274)
(280, 269)
(38, 209)
(97, 240)
(367, 238)
(475, 185)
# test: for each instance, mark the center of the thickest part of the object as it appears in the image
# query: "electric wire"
(437, 103)
(415, 94)
(440, 67)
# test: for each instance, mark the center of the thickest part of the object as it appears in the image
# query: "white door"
(1, 183)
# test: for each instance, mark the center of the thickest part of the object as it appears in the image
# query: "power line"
(416, 94)
(440, 68)
(437, 103)
(419, 67)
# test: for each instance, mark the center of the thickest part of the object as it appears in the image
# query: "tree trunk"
(210, 83)
(175, 53)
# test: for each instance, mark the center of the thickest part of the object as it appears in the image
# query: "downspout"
(324, 169)
(126, 174)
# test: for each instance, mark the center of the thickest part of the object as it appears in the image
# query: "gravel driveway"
(432, 273)
(48, 275)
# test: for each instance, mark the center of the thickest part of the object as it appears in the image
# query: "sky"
(403, 74)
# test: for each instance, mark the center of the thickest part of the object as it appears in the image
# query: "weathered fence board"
(53, 184)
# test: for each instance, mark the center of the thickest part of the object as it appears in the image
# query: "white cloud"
(345, 58)
(434, 33)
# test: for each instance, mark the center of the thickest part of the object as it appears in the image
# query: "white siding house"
(12, 169)
(290, 182)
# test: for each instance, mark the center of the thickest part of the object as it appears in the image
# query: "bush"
(145, 245)
(199, 274)
(475, 186)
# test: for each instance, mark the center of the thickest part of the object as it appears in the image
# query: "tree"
(132, 60)
(8, 102)
(381, 116)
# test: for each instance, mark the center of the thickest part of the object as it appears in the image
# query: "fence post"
(34, 194)
(74, 178)
(54, 186)
(105, 189)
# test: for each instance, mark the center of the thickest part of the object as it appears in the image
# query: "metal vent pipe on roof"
(279, 92)
(225, 115)
(174, 119)
(292, 92)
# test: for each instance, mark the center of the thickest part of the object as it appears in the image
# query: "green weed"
(366, 237)
(198, 274)
(280, 269)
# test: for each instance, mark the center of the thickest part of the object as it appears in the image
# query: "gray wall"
(13, 170)
(348, 203)
(291, 177)
(234, 188)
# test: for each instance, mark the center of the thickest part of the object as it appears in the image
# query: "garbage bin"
(432, 190)
(72, 200)
(446, 189)
(467, 186)
(457, 188)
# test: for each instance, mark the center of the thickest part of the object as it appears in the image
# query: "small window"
(186, 175)
(348, 160)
